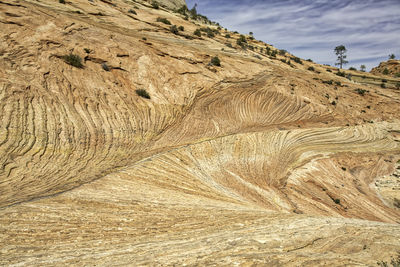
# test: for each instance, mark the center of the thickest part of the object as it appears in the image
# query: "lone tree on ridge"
(340, 51)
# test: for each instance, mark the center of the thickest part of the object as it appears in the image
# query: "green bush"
(385, 71)
(227, 35)
(183, 10)
(282, 52)
(361, 91)
(197, 32)
(132, 11)
(61, 1)
(383, 85)
(215, 61)
(164, 20)
(297, 60)
(181, 28)
(174, 29)
(340, 73)
(242, 38)
(73, 60)
(155, 5)
(210, 34)
(311, 68)
(143, 93)
(352, 68)
(337, 201)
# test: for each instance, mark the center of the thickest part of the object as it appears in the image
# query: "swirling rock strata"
(253, 162)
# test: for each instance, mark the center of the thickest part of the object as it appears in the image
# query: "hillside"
(390, 68)
(149, 154)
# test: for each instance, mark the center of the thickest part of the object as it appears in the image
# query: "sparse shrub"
(385, 71)
(73, 60)
(105, 67)
(143, 93)
(282, 52)
(229, 45)
(210, 32)
(361, 91)
(394, 262)
(338, 83)
(193, 12)
(61, 1)
(283, 60)
(87, 50)
(384, 80)
(309, 60)
(311, 68)
(164, 20)
(352, 68)
(183, 10)
(242, 38)
(337, 201)
(383, 85)
(215, 61)
(174, 29)
(328, 70)
(297, 60)
(197, 32)
(398, 85)
(227, 35)
(132, 11)
(144, 38)
(328, 82)
(273, 53)
(155, 5)
(341, 73)
(181, 28)
(333, 103)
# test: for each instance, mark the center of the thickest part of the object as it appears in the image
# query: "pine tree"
(340, 51)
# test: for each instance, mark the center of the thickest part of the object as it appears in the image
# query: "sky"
(369, 29)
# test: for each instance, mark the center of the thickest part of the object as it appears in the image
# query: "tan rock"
(249, 163)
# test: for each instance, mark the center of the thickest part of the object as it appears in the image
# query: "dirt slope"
(262, 160)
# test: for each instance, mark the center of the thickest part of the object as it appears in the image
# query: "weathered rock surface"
(256, 162)
(392, 67)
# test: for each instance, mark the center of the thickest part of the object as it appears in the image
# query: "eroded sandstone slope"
(262, 160)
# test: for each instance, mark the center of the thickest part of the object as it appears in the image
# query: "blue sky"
(369, 29)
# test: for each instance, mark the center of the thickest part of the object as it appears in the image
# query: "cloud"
(369, 29)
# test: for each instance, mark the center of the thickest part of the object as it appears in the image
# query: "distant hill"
(390, 67)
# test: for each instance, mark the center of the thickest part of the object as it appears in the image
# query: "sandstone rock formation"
(392, 67)
(255, 162)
